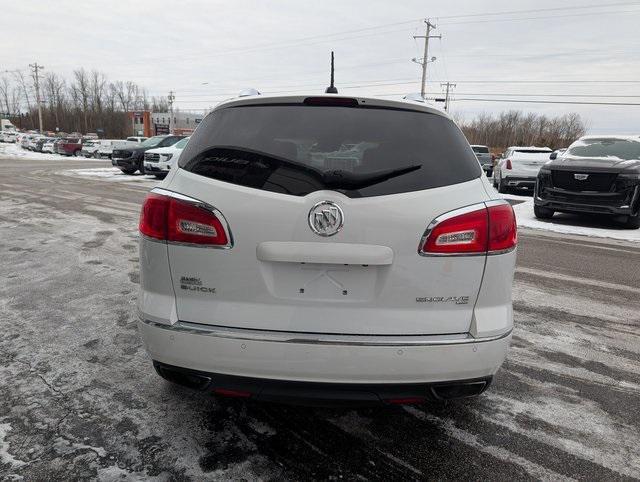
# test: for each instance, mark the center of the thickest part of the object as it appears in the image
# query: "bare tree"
(518, 128)
(82, 93)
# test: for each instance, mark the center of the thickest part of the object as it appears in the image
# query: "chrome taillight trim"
(458, 212)
(202, 205)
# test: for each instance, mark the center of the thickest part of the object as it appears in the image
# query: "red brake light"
(464, 233)
(508, 164)
(332, 101)
(181, 221)
(153, 217)
(503, 232)
(485, 230)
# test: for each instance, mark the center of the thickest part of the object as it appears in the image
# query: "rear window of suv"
(480, 149)
(298, 149)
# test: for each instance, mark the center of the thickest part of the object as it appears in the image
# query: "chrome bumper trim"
(321, 338)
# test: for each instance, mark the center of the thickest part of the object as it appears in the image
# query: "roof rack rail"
(415, 97)
(248, 92)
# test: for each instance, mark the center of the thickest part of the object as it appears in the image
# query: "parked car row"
(594, 175)
(161, 155)
(154, 155)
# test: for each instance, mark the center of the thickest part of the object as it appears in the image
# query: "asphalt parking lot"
(79, 398)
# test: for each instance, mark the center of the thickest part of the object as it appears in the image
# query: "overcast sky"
(209, 50)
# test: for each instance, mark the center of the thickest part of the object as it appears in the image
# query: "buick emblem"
(580, 177)
(326, 218)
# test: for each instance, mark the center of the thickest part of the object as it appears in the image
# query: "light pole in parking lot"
(425, 58)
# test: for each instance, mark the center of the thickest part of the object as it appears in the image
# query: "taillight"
(464, 233)
(182, 221)
(503, 232)
(479, 229)
(508, 164)
(153, 217)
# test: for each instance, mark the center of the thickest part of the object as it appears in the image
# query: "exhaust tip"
(189, 380)
(459, 390)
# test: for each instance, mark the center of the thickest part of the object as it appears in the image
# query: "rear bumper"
(160, 167)
(528, 182)
(333, 359)
(313, 393)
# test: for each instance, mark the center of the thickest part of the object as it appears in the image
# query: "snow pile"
(5, 457)
(14, 150)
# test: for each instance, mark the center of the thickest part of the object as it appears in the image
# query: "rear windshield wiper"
(334, 179)
(339, 179)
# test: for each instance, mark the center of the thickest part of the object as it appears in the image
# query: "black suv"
(131, 159)
(597, 175)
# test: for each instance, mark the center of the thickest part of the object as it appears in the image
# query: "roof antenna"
(331, 89)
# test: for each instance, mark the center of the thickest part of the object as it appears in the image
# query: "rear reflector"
(181, 221)
(483, 230)
(406, 401)
(225, 392)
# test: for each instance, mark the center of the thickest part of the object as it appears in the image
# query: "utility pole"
(425, 59)
(451, 86)
(35, 68)
(171, 98)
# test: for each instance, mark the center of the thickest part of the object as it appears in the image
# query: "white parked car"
(327, 248)
(9, 136)
(31, 142)
(161, 160)
(108, 145)
(519, 167)
(47, 147)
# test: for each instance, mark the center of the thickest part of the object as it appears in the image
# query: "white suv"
(159, 161)
(327, 248)
(519, 167)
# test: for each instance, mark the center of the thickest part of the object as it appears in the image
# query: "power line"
(304, 40)
(537, 10)
(520, 101)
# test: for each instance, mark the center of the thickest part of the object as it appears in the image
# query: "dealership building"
(146, 123)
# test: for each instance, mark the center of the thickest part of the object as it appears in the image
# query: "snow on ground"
(112, 174)
(583, 225)
(599, 227)
(14, 150)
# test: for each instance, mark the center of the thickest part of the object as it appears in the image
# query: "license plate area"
(323, 282)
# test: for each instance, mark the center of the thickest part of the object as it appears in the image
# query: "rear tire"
(502, 189)
(77, 153)
(543, 213)
(160, 176)
(633, 222)
(128, 171)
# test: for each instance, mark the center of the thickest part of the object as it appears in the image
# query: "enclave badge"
(326, 218)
